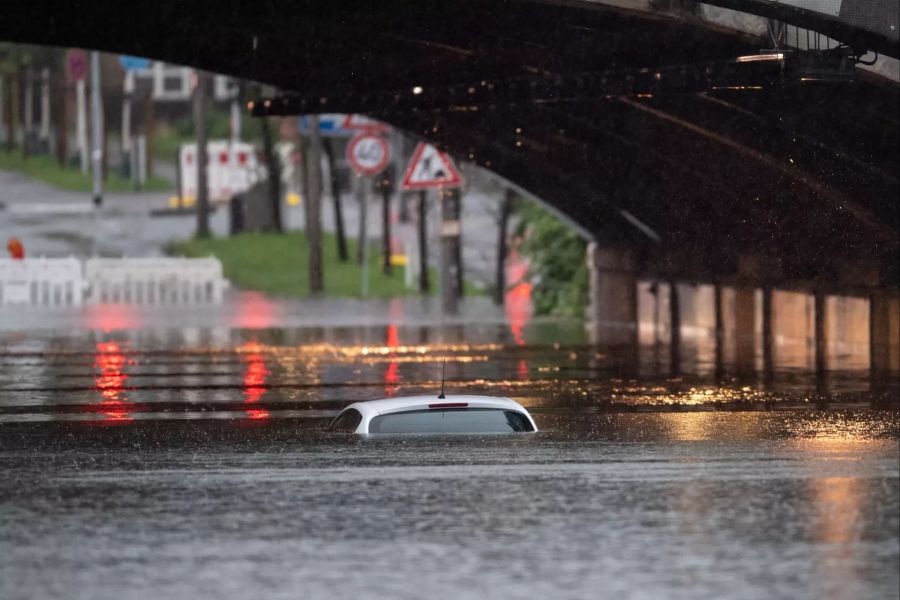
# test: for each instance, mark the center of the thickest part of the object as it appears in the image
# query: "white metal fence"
(63, 282)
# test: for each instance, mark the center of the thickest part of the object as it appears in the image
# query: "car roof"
(389, 405)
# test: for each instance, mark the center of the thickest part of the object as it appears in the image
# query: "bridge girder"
(803, 171)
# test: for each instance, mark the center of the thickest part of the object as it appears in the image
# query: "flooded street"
(193, 463)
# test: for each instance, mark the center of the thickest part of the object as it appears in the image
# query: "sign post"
(96, 142)
(368, 155)
(130, 64)
(430, 168)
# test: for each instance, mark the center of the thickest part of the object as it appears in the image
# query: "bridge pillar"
(819, 335)
(755, 271)
(719, 330)
(768, 342)
(745, 329)
(674, 328)
(884, 332)
(613, 296)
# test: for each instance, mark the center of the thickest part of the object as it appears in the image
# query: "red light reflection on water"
(392, 373)
(110, 382)
(255, 311)
(112, 317)
(518, 303)
(255, 376)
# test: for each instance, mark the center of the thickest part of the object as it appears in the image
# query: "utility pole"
(81, 124)
(456, 202)
(128, 92)
(314, 210)
(362, 198)
(202, 158)
(386, 187)
(506, 206)
(336, 198)
(96, 142)
(424, 284)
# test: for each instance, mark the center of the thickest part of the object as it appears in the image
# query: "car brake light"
(449, 405)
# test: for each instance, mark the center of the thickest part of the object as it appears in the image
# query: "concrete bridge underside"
(678, 157)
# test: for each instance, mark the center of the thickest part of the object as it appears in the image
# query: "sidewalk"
(52, 222)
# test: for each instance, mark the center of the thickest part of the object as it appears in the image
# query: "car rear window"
(346, 422)
(464, 420)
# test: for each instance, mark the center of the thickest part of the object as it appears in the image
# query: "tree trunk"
(314, 198)
(12, 103)
(27, 110)
(202, 159)
(273, 166)
(336, 198)
(386, 230)
(62, 121)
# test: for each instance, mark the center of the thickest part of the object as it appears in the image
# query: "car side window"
(346, 422)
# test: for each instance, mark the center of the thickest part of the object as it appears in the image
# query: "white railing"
(50, 282)
(155, 281)
(64, 282)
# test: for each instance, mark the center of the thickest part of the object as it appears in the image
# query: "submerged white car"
(427, 414)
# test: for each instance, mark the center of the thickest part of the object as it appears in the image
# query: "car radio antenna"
(443, 371)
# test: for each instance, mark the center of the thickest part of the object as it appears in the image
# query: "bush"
(557, 269)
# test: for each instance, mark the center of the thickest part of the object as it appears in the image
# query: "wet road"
(191, 463)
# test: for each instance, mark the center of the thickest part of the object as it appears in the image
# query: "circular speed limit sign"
(368, 154)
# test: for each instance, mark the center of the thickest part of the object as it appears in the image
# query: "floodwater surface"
(195, 464)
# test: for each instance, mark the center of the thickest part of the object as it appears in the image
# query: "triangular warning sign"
(430, 168)
(361, 123)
